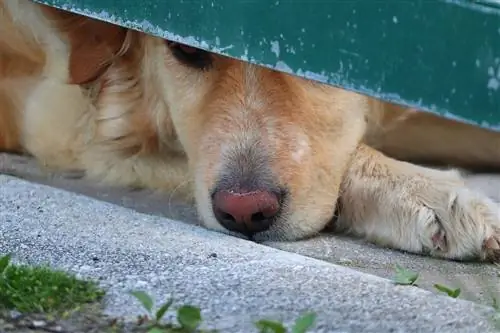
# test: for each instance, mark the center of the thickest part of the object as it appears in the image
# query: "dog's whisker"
(172, 193)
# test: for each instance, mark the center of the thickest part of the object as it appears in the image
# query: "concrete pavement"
(233, 281)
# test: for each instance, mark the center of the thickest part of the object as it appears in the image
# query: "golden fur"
(80, 94)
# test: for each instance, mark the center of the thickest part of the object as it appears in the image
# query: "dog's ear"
(94, 44)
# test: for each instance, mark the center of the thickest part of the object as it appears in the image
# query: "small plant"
(189, 319)
(147, 303)
(496, 315)
(405, 277)
(41, 289)
(444, 289)
(301, 325)
(409, 278)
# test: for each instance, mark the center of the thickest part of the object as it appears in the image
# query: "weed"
(41, 289)
(301, 325)
(405, 277)
(189, 319)
(496, 315)
(447, 290)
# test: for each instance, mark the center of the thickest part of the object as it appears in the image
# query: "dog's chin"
(261, 237)
(283, 234)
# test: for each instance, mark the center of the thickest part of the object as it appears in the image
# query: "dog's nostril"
(226, 216)
(246, 212)
(258, 217)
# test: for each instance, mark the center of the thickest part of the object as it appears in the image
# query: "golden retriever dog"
(264, 155)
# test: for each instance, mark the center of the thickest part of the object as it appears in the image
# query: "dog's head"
(267, 150)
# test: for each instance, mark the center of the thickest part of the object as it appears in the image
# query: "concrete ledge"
(235, 282)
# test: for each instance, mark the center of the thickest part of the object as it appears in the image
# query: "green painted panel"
(437, 55)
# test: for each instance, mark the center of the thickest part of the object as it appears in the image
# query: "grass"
(42, 290)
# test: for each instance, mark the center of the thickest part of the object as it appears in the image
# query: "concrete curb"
(233, 281)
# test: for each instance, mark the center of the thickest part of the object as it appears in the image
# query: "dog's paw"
(417, 209)
(458, 223)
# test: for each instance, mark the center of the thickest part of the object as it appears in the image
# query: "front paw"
(459, 223)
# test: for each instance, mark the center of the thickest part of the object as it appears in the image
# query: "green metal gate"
(441, 56)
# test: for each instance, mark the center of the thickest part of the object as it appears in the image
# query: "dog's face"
(267, 150)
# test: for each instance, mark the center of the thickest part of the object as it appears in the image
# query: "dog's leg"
(417, 209)
(422, 137)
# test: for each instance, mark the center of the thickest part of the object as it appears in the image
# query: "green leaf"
(405, 277)
(189, 317)
(451, 292)
(145, 299)
(4, 262)
(161, 311)
(269, 326)
(304, 323)
(456, 293)
(156, 330)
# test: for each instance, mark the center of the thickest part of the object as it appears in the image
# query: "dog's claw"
(492, 244)
(492, 249)
(439, 241)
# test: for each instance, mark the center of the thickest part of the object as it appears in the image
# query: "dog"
(264, 155)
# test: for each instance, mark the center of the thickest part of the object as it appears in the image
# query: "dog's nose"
(246, 212)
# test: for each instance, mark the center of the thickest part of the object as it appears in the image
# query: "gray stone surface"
(234, 281)
(478, 282)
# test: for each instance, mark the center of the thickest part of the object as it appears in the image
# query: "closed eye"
(191, 56)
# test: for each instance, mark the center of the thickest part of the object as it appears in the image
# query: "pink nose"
(246, 212)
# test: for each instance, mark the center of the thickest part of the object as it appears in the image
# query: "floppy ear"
(94, 44)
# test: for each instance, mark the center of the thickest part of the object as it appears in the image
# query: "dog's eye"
(191, 56)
